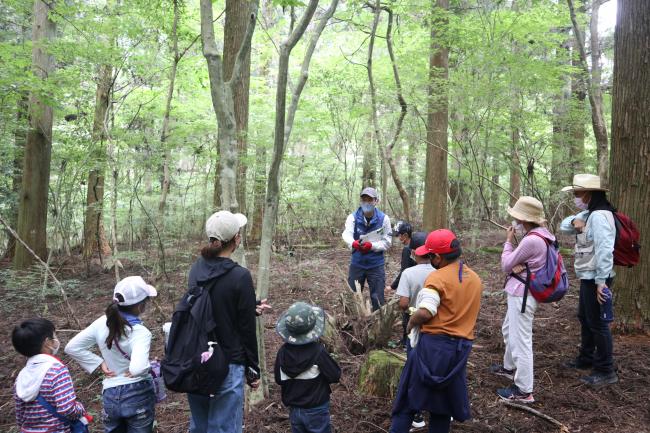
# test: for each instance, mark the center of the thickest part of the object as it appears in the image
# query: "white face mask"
(518, 226)
(580, 204)
(57, 346)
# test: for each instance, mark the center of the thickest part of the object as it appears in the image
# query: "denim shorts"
(129, 408)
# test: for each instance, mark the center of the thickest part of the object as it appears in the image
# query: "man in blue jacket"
(368, 234)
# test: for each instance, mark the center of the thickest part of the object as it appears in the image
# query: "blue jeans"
(224, 412)
(596, 345)
(129, 408)
(376, 278)
(310, 420)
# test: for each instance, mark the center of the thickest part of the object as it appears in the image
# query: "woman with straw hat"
(528, 214)
(595, 231)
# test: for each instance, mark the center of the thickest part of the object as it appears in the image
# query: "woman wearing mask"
(528, 214)
(123, 341)
(595, 231)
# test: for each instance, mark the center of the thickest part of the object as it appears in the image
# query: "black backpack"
(192, 333)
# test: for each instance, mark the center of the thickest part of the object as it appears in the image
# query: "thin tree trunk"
(369, 164)
(234, 31)
(259, 192)
(32, 211)
(94, 235)
(515, 165)
(630, 150)
(593, 80)
(494, 187)
(279, 143)
(436, 185)
(376, 135)
(165, 126)
(400, 121)
(577, 110)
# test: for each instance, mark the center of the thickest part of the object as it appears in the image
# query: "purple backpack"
(550, 283)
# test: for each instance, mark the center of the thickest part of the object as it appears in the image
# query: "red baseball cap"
(438, 242)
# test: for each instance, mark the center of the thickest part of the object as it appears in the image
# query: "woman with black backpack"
(595, 230)
(528, 214)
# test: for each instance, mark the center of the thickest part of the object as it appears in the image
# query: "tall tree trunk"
(234, 31)
(259, 192)
(435, 187)
(222, 93)
(369, 163)
(32, 210)
(630, 151)
(515, 164)
(280, 140)
(376, 133)
(94, 235)
(494, 187)
(594, 85)
(168, 106)
(400, 121)
(577, 110)
(20, 137)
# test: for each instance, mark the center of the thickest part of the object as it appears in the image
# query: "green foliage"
(507, 70)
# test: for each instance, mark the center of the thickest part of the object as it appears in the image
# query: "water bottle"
(607, 308)
(158, 381)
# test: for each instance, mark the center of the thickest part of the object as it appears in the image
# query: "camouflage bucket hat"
(301, 324)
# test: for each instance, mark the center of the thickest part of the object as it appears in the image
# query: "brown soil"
(318, 276)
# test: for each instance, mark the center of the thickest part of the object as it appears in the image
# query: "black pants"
(596, 338)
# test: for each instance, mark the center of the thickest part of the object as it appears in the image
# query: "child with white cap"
(124, 342)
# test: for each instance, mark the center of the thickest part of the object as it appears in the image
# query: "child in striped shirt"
(44, 376)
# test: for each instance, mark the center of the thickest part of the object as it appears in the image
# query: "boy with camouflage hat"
(304, 370)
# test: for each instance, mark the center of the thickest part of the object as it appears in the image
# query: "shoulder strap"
(48, 407)
(124, 354)
(546, 241)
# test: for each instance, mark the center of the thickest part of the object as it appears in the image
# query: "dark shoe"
(597, 379)
(512, 393)
(418, 421)
(499, 370)
(577, 364)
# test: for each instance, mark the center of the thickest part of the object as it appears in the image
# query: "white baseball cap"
(133, 290)
(224, 225)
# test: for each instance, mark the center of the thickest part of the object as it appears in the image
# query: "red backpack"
(626, 248)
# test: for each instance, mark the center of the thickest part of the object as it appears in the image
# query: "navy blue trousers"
(376, 278)
(434, 380)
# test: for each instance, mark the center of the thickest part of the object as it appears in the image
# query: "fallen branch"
(64, 295)
(500, 226)
(562, 427)
(396, 355)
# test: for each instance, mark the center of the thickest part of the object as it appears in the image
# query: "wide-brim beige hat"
(528, 209)
(585, 182)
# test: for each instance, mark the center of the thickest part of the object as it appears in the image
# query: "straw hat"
(585, 182)
(528, 209)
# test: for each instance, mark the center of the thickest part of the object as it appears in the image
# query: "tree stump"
(380, 374)
(363, 329)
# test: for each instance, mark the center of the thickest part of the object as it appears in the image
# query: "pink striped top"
(58, 390)
(531, 250)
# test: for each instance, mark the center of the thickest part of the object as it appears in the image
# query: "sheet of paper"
(373, 236)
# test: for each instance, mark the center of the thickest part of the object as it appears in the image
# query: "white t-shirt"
(136, 344)
(412, 280)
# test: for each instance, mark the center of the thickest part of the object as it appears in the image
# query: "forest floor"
(318, 275)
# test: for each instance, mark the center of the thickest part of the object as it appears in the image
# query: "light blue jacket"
(600, 231)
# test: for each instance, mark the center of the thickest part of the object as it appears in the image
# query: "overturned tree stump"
(380, 374)
(331, 338)
(361, 328)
